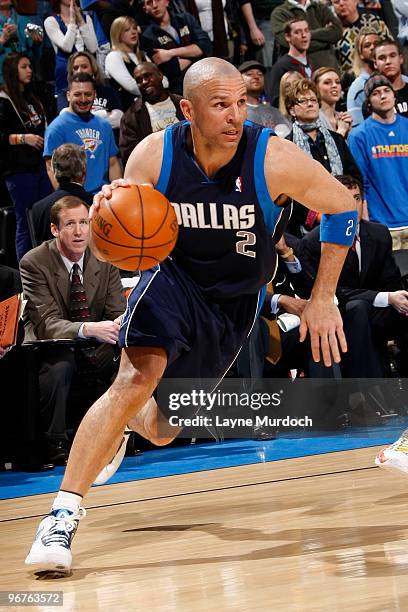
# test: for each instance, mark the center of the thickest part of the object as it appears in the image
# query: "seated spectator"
(173, 41)
(22, 126)
(261, 112)
(328, 86)
(70, 295)
(153, 112)
(13, 38)
(372, 302)
(68, 165)
(363, 66)
(79, 126)
(270, 351)
(69, 31)
(325, 146)
(353, 20)
(388, 60)
(286, 82)
(107, 104)
(124, 57)
(380, 146)
(324, 26)
(297, 35)
(291, 290)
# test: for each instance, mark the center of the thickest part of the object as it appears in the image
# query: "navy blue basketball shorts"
(201, 336)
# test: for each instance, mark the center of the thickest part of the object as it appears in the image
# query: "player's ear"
(54, 230)
(186, 108)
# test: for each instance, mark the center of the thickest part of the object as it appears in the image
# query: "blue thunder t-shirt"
(93, 134)
(228, 224)
(381, 152)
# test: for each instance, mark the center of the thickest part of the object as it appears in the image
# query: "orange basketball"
(135, 229)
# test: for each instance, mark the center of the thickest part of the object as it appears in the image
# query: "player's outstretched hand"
(323, 321)
(106, 192)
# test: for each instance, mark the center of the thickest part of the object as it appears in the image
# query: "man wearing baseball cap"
(380, 147)
(259, 110)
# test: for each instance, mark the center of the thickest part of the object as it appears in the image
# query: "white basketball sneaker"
(51, 549)
(396, 455)
(111, 468)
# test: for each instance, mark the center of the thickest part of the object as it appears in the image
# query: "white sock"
(70, 501)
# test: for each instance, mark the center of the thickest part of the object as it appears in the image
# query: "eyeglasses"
(306, 101)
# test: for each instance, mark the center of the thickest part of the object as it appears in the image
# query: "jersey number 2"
(242, 245)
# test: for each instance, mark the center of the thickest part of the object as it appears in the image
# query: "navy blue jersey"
(227, 222)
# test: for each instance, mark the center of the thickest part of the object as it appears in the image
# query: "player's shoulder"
(154, 140)
(144, 163)
(281, 152)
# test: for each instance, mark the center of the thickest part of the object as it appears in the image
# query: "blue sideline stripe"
(208, 456)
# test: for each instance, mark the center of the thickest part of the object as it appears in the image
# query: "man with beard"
(79, 126)
(259, 110)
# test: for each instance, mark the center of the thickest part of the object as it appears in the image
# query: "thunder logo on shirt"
(391, 150)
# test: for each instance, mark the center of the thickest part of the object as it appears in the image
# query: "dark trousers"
(25, 189)
(62, 375)
(367, 329)
(20, 439)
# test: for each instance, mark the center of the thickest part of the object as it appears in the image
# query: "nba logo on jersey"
(238, 184)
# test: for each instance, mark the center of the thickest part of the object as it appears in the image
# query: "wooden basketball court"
(320, 533)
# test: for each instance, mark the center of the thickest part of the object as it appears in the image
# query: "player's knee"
(139, 384)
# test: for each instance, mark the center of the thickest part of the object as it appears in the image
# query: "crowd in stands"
(329, 75)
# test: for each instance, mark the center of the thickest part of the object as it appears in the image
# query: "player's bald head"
(204, 70)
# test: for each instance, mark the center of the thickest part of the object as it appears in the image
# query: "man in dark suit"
(68, 164)
(70, 295)
(372, 301)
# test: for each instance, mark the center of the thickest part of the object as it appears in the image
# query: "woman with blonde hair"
(123, 59)
(107, 103)
(288, 79)
(363, 67)
(328, 84)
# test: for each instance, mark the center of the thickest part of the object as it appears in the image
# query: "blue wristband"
(339, 228)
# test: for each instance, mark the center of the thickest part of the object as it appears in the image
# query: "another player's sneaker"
(111, 468)
(51, 549)
(396, 455)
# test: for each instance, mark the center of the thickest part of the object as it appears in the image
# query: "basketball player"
(189, 316)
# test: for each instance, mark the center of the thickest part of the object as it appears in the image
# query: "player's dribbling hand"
(106, 192)
(323, 321)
